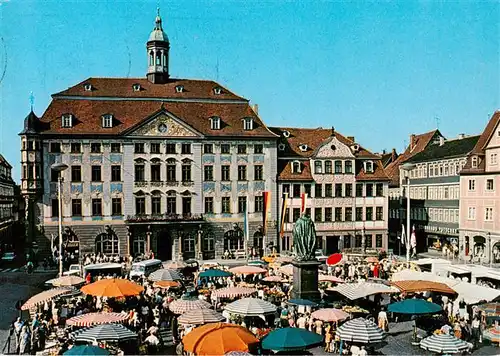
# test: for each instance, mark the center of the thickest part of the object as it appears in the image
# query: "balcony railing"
(164, 217)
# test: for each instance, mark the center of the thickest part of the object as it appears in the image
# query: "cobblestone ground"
(13, 287)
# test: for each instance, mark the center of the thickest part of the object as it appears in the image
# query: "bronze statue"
(304, 238)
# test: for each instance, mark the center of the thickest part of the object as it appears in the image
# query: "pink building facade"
(480, 198)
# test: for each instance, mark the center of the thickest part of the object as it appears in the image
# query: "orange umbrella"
(112, 288)
(166, 284)
(218, 339)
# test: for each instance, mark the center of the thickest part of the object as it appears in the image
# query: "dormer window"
(217, 90)
(179, 88)
(281, 147)
(296, 167)
(369, 167)
(215, 123)
(107, 121)
(67, 120)
(286, 134)
(474, 162)
(303, 147)
(248, 123)
(88, 87)
(136, 87)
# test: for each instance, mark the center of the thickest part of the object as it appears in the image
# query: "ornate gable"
(333, 148)
(165, 125)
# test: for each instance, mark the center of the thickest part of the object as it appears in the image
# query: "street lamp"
(407, 167)
(490, 252)
(60, 167)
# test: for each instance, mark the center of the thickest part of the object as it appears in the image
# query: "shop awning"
(355, 291)
(479, 240)
(414, 286)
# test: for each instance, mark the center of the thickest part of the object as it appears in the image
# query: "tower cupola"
(158, 47)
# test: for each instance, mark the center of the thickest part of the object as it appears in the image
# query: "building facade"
(153, 164)
(346, 188)
(397, 190)
(480, 197)
(435, 191)
(7, 205)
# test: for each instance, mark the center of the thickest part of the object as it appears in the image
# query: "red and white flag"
(303, 203)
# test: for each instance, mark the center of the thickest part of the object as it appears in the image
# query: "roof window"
(303, 147)
(67, 120)
(474, 162)
(248, 123)
(214, 123)
(217, 90)
(88, 87)
(179, 88)
(286, 134)
(369, 167)
(281, 147)
(136, 87)
(107, 120)
(296, 167)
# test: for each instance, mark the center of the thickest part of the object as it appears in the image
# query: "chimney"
(351, 138)
(461, 136)
(393, 155)
(413, 141)
(255, 108)
(441, 140)
(383, 152)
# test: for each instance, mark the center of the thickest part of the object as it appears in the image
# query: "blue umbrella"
(288, 339)
(214, 273)
(414, 307)
(86, 350)
(304, 302)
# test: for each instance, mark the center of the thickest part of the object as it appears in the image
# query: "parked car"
(8, 257)
(320, 256)
(74, 270)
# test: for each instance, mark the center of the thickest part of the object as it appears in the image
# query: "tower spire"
(158, 47)
(158, 25)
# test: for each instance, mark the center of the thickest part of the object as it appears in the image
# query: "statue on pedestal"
(304, 239)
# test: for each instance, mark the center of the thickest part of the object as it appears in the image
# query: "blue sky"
(374, 70)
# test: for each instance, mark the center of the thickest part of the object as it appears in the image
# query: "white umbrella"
(250, 307)
(165, 275)
(443, 344)
(360, 330)
(201, 316)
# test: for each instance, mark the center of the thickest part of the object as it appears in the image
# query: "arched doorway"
(164, 245)
(479, 250)
(188, 245)
(258, 243)
(495, 253)
(107, 242)
(71, 246)
(233, 240)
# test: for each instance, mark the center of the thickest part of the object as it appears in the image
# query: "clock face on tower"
(162, 128)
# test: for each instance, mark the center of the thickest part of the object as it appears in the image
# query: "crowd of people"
(158, 328)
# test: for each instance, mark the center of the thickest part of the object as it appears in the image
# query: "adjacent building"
(153, 164)
(480, 197)
(345, 186)
(7, 205)
(435, 191)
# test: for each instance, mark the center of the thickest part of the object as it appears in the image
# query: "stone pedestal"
(305, 280)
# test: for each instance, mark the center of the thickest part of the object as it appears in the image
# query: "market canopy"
(201, 316)
(233, 292)
(444, 344)
(166, 284)
(247, 270)
(414, 286)
(361, 331)
(329, 278)
(183, 305)
(329, 314)
(286, 269)
(90, 319)
(414, 307)
(103, 332)
(165, 275)
(273, 279)
(113, 288)
(45, 296)
(355, 291)
(250, 307)
(218, 339)
(214, 273)
(290, 339)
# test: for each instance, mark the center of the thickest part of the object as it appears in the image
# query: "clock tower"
(158, 47)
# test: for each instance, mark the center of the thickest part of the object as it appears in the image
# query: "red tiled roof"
(313, 138)
(123, 88)
(378, 174)
(129, 114)
(285, 171)
(480, 146)
(421, 142)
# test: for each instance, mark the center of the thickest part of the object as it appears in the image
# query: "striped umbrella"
(201, 316)
(180, 306)
(103, 332)
(275, 279)
(165, 275)
(166, 284)
(247, 270)
(360, 330)
(45, 296)
(90, 319)
(490, 309)
(443, 344)
(329, 314)
(233, 292)
(492, 334)
(250, 307)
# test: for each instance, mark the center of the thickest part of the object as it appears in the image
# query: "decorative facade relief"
(207, 159)
(242, 187)
(225, 187)
(115, 158)
(259, 186)
(95, 159)
(258, 159)
(242, 159)
(225, 159)
(333, 148)
(208, 187)
(164, 126)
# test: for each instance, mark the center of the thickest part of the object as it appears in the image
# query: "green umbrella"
(87, 350)
(414, 307)
(214, 273)
(289, 339)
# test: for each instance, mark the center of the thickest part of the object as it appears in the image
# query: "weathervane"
(32, 100)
